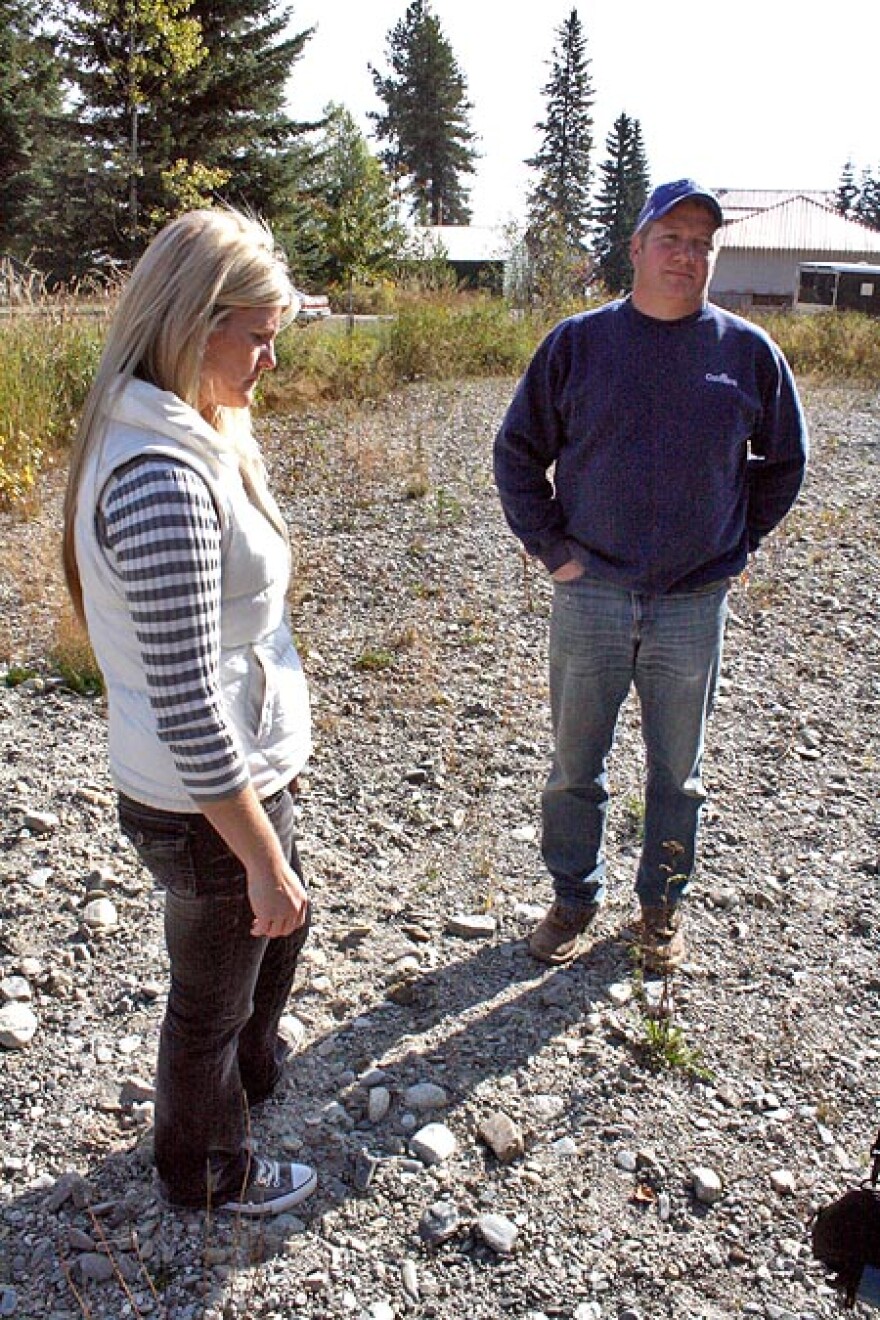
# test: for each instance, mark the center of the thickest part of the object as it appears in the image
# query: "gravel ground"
(588, 1162)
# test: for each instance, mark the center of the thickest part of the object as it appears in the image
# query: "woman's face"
(236, 355)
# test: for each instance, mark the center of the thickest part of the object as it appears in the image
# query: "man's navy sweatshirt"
(675, 447)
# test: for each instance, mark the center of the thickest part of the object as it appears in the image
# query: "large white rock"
(18, 1025)
(433, 1143)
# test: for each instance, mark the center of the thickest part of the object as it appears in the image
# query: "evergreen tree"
(30, 99)
(425, 121)
(178, 101)
(121, 55)
(866, 207)
(560, 199)
(623, 189)
(227, 115)
(847, 190)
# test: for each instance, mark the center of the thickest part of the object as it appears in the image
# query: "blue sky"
(755, 93)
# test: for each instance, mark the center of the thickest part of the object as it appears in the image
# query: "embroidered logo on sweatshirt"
(721, 378)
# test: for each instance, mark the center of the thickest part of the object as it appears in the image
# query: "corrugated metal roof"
(736, 202)
(797, 225)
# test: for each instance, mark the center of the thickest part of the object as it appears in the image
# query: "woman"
(177, 560)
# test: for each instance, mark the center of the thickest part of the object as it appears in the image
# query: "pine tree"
(560, 199)
(866, 207)
(623, 188)
(425, 121)
(121, 55)
(227, 115)
(179, 101)
(30, 98)
(847, 190)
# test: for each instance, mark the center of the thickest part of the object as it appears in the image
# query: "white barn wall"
(740, 275)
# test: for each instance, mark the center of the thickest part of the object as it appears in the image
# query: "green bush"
(446, 339)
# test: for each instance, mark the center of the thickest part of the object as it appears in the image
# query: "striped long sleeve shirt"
(160, 528)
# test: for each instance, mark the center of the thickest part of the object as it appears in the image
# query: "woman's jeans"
(219, 1049)
(603, 639)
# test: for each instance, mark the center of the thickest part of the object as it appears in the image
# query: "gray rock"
(409, 1277)
(95, 1267)
(472, 926)
(101, 914)
(707, 1185)
(425, 1095)
(498, 1232)
(439, 1222)
(41, 822)
(378, 1103)
(15, 988)
(502, 1136)
(18, 1025)
(783, 1182)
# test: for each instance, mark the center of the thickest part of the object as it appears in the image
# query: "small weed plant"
(665, 1043)
(73, 659)
(374, 659)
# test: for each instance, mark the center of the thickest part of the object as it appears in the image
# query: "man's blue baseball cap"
(667, 195)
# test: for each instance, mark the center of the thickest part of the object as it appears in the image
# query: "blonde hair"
(195, 271)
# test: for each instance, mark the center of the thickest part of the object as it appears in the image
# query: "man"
(677, 442)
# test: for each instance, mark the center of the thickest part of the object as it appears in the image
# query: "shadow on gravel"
(105, 1234)
(477, 1019)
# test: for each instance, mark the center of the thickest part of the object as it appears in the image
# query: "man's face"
(672, 260)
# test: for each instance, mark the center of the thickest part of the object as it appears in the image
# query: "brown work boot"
(555, 938)
(659, 939)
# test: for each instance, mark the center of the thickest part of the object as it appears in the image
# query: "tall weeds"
(47, 359)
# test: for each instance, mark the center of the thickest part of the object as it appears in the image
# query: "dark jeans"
(219, 1050)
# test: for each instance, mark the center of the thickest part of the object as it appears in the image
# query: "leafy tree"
(623, 189)
(425, 121)
(121, 55)
(356, 210)
(30, 98)
(560, 199)
(847, 189)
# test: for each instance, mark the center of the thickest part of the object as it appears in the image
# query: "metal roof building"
(761, 250)
(482, 256)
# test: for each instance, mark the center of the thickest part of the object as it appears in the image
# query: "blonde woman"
(178, 561)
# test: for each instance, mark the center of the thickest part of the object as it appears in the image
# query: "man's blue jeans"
(219, 1049)
(603, 640)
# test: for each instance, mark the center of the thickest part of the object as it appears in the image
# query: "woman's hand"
(279, 901)
(276, 893)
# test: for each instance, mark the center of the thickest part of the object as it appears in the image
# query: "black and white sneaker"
(272, 1187)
